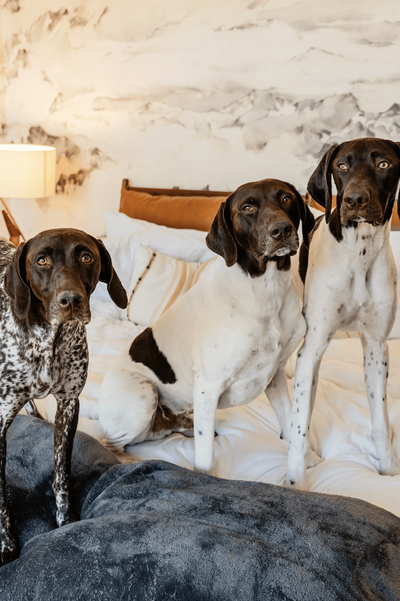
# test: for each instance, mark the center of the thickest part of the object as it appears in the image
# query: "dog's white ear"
(320, 183)
(220, 237)
(15, 285)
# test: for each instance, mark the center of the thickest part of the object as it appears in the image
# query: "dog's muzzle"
(282, 239)
(358, 206)
(72, 304)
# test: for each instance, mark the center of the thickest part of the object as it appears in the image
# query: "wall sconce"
(26, 171)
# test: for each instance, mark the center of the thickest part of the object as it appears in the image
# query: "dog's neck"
(257, 266)
(338, 230)
(359, 233)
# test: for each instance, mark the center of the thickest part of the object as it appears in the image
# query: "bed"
(314, 546)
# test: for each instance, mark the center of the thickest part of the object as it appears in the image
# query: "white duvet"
(247, 445)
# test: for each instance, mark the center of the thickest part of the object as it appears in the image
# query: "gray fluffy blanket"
(154, 531)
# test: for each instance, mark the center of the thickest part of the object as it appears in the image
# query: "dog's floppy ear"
(109, 276)
(220, 237)
(320, 183)
(307, 218)
(15, 284)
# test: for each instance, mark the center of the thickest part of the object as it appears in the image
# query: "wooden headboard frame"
(172, 191)
(212, 193)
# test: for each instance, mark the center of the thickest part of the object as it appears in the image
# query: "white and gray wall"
(190, 93)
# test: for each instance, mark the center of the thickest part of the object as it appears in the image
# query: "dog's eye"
(248, 209)
(86, 258)
(342, 166)
(383, 165)
(286, 200)
(41, 261)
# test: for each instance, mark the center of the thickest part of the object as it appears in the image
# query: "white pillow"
(119, 224)
(187, 245)
(157, 281)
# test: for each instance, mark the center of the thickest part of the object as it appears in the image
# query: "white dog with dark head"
(227, 339)
(350, 284)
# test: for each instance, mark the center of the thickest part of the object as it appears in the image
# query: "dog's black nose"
(280, 229)
(69, 298)
(357, 198)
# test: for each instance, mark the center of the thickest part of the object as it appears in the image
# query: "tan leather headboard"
(191, 209)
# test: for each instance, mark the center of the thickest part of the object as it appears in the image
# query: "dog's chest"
(366, 243)
(262, 343)
(41, 363)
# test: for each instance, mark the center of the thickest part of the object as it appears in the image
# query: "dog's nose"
(69, 298)
(280, 229)
(357, 198)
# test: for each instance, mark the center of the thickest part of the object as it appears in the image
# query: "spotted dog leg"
(376, 370)
(278, 395)
(9, 549)
(304, 391)
(65, 425)
(205, 402)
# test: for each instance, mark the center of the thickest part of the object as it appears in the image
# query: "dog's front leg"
(205, 402)
(304, 391)
(278, 395)
(65, 424)
(9, 549)
(376, 370)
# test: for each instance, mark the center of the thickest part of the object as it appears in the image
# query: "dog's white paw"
(392, 467)
(295, 483)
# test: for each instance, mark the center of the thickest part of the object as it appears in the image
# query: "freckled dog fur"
(45, 285)
(350, 283)
(227, 339)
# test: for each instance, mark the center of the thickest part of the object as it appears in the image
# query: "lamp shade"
(27, 170)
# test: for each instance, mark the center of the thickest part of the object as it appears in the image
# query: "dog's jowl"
(45, 285)
(350, 284)
(227, 339)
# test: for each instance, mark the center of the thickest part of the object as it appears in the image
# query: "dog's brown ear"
(320, 183)
(307, 218)
(109, 276)
(15, 284)
(220, 237)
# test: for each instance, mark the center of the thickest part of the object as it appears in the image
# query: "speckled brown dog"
(45, 287)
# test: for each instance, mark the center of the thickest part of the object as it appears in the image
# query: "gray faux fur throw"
(154, 531)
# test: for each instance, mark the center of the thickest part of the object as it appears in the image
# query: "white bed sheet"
(248, 446)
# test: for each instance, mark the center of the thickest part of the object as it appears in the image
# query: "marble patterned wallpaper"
(190, 93)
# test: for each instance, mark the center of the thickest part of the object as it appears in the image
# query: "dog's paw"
(9, 549)
(313, 459)
(293, 485)
(63, 518)
(392, 467)
(207, 472)
(295, 481)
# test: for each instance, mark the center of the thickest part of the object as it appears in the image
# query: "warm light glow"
(27, 170)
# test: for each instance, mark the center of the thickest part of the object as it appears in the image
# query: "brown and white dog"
(350, 284)
(45, 287)
(227, 339)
